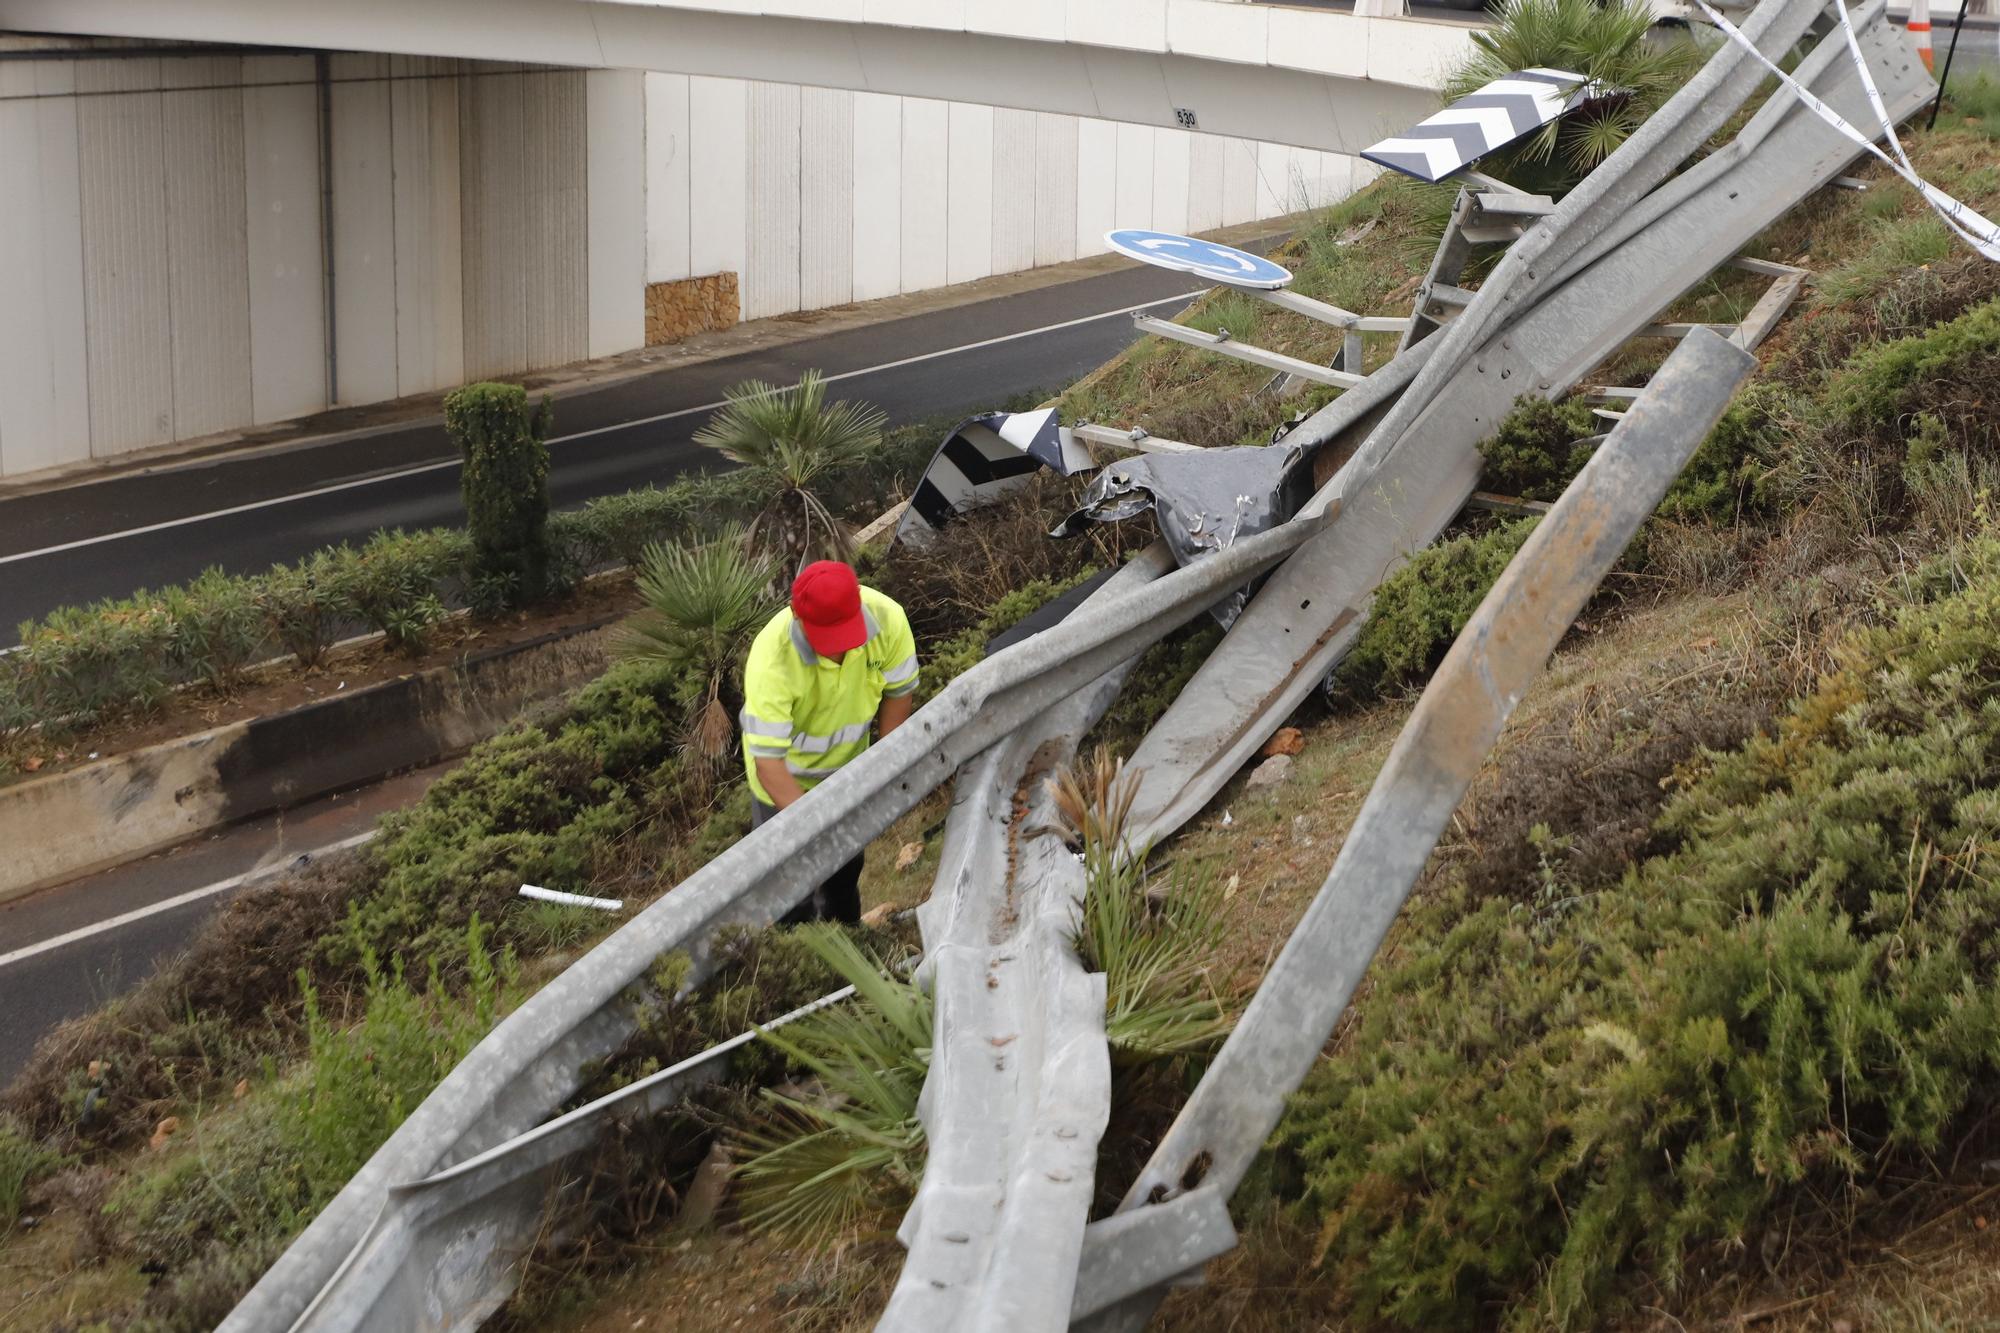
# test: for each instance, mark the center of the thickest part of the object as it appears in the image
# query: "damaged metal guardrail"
(430, 1223)
(1503, 647)
(1019, 1088)
(1614, 253)
(528, 1064)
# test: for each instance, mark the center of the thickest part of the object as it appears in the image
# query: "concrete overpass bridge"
(1313, 78)
(291, 206)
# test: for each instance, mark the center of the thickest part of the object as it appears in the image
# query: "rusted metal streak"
(1219, 1132)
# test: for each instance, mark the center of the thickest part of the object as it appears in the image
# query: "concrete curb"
(121, 808)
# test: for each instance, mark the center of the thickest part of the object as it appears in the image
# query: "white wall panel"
(615, 209)
(127, 312)
(1170, 180)
(1204, 186)
(558, 278)
(1239, 181)
(364, 230)
(495, 218)
(44, 397)
(826, 198)
(878, 196)
(1278, 180)
(718, 159)
(282, 213)
(969, 209)
(667, 198)
(208, 281)
(926, 194)
(1055, 188)
(1014, 182)
(1135, 176)
(1096, 184)
(424, 181)
(771, 242)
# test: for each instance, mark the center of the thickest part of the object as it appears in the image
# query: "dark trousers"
(838, 899)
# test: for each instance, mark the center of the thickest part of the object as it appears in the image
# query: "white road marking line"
(180, 900)
(399, 474)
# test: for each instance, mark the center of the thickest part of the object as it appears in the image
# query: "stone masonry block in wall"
(676, 310)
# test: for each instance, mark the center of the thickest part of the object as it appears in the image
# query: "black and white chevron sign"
(984, 457)
(1504, 110)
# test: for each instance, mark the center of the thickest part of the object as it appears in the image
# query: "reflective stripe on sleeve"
(821, 744)
(757, 726)
(801, 771)
(905, 670)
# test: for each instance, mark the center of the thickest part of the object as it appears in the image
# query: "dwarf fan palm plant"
(1153, 942)
(1631, 69)
(817, 1163)
(789, 439)
(704, 604)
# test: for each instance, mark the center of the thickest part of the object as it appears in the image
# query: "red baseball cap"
(826, 598)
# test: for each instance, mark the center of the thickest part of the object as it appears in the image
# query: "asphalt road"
(67, 950)
(64, 952)
(106, 538)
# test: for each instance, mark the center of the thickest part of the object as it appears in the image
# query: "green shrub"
(82, 666)
(22, 1162)
(1795, 999)
(1419, 609)
(505, 484)
(247, 1180)
(1955, 361)
(1724, 479)
(361, 1082)
(305, 605)
(1533, 452)
(544, 805)
(219, 627)
(396, 583)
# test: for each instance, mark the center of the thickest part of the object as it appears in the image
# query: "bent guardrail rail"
(527, 1065)
(1502, 649)
(1544, 317)
(1019, 1089)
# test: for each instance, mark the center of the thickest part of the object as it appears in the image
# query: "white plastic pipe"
(572, 899)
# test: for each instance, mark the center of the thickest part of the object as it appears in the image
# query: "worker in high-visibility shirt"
(838, 663)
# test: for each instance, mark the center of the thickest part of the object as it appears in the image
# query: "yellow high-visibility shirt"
(813, 713)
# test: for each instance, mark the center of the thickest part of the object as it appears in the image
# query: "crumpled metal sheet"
(1202, 502)
(982, 459)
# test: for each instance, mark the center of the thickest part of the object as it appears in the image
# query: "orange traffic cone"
(1920, 29)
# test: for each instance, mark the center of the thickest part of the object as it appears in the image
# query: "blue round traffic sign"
(1204, 259)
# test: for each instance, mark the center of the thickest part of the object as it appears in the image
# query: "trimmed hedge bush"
(80, 667)
(505, 486)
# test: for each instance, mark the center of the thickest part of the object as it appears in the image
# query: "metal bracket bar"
(1110, 437)
(1286, 299)
(1256, 356)
(1770, 308)
(1127, 1253)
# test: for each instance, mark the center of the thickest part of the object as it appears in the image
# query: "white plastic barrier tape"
(1975, 230)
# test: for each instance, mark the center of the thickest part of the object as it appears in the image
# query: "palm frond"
(1153, 943)
(703, 606)
(1612, 44)
(813, 1165)
(791, 436)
